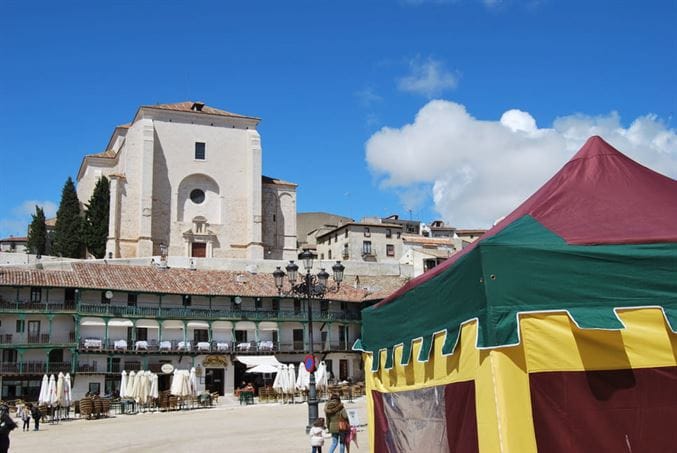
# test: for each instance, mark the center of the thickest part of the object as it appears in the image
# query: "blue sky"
(450, 109)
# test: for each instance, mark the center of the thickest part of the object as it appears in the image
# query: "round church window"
(197, 196)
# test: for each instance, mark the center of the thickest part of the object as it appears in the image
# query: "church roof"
(196, 107)
(275, 181)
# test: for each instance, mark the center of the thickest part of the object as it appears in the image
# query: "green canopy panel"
(524, 268)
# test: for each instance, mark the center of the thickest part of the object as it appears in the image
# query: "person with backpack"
(337, 421)
(6, 427)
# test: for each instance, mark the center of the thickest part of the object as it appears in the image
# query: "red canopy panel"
(600, 196)
(632, 410)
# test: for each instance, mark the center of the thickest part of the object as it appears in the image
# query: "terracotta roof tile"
(152, 279)
(187, 106)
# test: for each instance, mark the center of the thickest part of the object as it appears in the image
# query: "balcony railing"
(36, 339)
(35, 367)
(20, 306)
(190, 313)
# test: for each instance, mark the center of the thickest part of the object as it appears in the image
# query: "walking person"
(24, 414)
(317, 435)
(6, 426)
(337, 421)
(37, 415)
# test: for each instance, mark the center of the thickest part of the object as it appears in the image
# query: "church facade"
(189, 176)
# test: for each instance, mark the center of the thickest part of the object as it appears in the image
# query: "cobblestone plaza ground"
(227, 427)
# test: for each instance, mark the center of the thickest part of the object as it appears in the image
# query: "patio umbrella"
(59, 390)
(321, 376)
(153, 386)
(279, 384)
(264, 368)
(303, 379)
(67, 390)
(44, 391)
(129, 391)
(291, 379)
(123, 385)
(192, 380)
(52, 390)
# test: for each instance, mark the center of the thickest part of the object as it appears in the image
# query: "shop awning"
(252, 361)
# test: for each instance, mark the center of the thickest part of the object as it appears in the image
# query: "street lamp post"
(311, 287)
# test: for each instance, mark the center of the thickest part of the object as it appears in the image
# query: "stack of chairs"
(86, 406)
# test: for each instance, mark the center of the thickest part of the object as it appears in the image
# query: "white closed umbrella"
(303, 379)
(193, 382)
(280, 382)
(291, 378)
(59, 390)
(67, 390)
(123, 384)
(153, 386)
(43, 398)
(321, 378)
(52, 390)
(129, 391)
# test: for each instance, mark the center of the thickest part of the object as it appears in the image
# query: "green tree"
(95, 226)
(68, 228)
(37, 233)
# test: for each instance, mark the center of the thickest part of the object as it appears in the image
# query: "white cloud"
(368, 97)
(477, 170)
(428, 77)
(17, 222)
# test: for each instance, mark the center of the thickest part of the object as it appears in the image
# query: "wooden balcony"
(21, 340)
(33, 307)
(34, 367)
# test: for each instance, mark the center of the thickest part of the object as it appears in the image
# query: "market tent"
(542, 330)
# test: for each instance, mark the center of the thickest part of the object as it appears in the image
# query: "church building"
(188, 176)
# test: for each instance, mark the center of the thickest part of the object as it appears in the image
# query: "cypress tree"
(95, 226)
(67, 231)
(37, 232)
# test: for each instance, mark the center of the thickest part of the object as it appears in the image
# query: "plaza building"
(188, 176)
(96, 319)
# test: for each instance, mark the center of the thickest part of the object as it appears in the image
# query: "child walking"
(25, 414)
(317, 435)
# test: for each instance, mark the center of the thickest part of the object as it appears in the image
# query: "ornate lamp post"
(310, 287)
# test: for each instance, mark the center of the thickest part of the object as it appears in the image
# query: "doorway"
(198, 250)
(214, 380)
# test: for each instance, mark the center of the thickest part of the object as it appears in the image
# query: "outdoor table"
(246, 397)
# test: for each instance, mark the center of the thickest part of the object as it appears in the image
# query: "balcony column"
(47, 361)
(256, 332)
(185, 332)
(74, 360)
(305, 336)
(24, 333)
(105, 331)
(133, 332)
(145, 362)
(17, 294)
(49, 329)
(20, 358)
(328, 345)
(76, 320)
(159, 331)
(209, 329)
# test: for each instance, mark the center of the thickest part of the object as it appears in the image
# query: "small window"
(199, 151)
(187, 300)
(399, 234)
(200, 335)
(197, 196)
(36, 294)
(366, 247)
(367, 233)
(389, 233)
(20, 326)
(346, 232)
(390, 250)
(329, 254)
(276, 304)
(131, 299)
(142, 333)
(258, 303)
